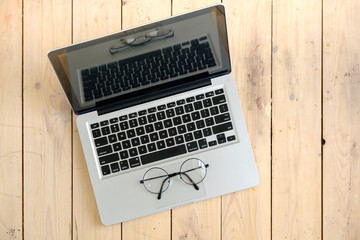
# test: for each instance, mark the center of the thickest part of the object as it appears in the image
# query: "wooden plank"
(11, 119)
(181, 6)
(246, 214)
(296, 120)
(199, 220)
(156, 226)
(91, 19)
(341, 116)
(47, 124)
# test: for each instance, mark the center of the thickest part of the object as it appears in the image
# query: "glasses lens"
(193, 169)
(154, 178)
(139, 40)
(122, 43)
(158, 33)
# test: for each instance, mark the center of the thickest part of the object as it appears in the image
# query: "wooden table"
(298, 75)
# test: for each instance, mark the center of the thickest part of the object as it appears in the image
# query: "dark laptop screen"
(143, 59)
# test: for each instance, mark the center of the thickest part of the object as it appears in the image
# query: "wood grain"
(47, 124)
(296, 120)
(91, 19)
(156, 226)
(341, 84)
(10, 119)
(246, 214)
(199, 220)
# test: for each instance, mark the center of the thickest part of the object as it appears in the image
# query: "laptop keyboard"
(155, 66)
(183, 126)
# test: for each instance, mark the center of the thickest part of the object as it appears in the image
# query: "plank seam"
(322, 121)
(22, 121)
(271, 112)
(72, 136)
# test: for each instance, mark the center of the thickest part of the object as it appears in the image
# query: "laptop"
(159, 115)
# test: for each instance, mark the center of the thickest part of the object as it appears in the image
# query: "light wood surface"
(296, 120)
(296, 65)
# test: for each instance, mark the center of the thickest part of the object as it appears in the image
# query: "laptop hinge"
(153, 96)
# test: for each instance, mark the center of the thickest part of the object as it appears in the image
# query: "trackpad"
(178, 192)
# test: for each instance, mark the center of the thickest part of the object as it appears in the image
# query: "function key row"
(216, 100)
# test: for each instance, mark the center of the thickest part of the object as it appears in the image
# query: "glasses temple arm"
(162, 185)
(193, 183)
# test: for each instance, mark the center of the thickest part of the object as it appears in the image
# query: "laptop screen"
(144, 59)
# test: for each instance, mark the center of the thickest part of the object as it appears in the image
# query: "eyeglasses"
(157, 33)
(192, 171)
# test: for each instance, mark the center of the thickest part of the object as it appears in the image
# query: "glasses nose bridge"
(174, 174)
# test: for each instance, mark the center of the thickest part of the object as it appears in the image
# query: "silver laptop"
(159, 119)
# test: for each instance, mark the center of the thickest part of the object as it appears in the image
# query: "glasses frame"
(179, 173)
(148, 37)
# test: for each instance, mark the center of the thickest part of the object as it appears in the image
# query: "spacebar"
(166, 153)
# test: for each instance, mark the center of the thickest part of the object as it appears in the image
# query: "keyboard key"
(124, 126)
(109, 158)
(198, 134)
(114, 128)
(142, 112)
(94, 125)
(152, 110)
(180, 102)
(192, 146)
(163, 154)
(126, 144)
(222, 128)
(207, 132)
(214, 110)
(209, 94)
(189, 108)
(142, 149)
(186, 118)
(133, 152)
(130, 133)
(202, 143)
(188, 137)
(135, 142)
(151, 147)
(133, 115)
(105, 170)
(177, 121)
(160, 115)
(198, 105)
(142, 120)
(123, 118)
(124, 154)
(154, 137)
(170, 142)
(163, 134)
(212, 143)
(190, 127)
(124, 165)
(218, 99)
(172, 131)
(144, 139)
(200, 96)
(209, 121)
(222, 118)
(172, 104)
(101, 141)
(179, 139)
(116, 147)
(161, 107)
(205, 113)
(223, 108)
(140, 131)
(113, 120)
(231, 138)
(105, 130)
(114, 167)
(179, 110)
(134, 162)
(133, 123)
(149, 128)
(207, 103)
(158, 126)
(104, 123)
(221, 138)
(151, 118)
(170, 113)
(219, 91)
(181, 129)
(160, 144)
(190, 99)
(104, 150)
(112, 138)
(121, 136)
